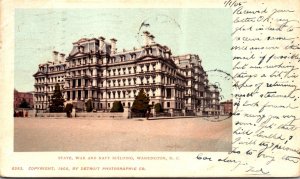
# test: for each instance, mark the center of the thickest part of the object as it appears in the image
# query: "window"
(79, 94)
(122, 58)
(168, 104)
(168, 93)
(85, 94)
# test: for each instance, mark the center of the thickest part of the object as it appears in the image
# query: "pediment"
(146, 58)
(77, 54)
(39, 74)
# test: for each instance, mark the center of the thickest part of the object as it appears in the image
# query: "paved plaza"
(84, 134)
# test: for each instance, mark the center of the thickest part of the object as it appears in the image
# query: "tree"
(57, 100)
(24, 104)
(117, 107)
(68, 109)
(88, 105)
(141, 103)
(158, 108)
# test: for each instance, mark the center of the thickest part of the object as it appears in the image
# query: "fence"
(24, 112)
(104, 115)
(51, 115)
(163, 114)
(190, 113)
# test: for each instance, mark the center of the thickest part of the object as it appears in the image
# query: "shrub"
(68, 109)
(88, 105)
(141, 103)
(158, 108)
(57, 100)
(24, 104)
(117, 107)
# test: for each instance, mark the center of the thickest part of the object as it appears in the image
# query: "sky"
(205, 32)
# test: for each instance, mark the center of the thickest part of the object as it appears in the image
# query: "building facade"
(20, 96)
(95, 70)
(226, 107)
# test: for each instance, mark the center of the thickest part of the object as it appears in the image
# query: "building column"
(89, 94)
(94, 72)
(94, 82)
(158, 78)
(82, 82)
(131, 93)
(183, 111)
(150, 67)
(82, 94)
(76, 94)
(172, 112)
(138, 80)
(150, 93)
(150, 79)
(173, 93)
(138, 68)
(158, 92)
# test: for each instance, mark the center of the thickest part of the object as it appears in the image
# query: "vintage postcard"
(150, 89)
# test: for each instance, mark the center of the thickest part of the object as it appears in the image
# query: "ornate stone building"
(46, 77)
(95, 70)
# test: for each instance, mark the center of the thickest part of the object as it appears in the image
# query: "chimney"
(151, 39)
(62, 57)
(55, 56)
(101, 43)
(146, 38)
(113, 46)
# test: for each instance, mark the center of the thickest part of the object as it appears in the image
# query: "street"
(83, 134)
